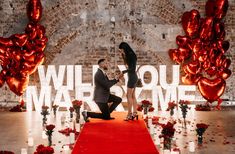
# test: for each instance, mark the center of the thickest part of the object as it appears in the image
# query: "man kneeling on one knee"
(102, 95)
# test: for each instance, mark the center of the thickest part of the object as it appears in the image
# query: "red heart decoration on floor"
(211, 90)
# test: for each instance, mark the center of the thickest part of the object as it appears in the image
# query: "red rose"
(139, 108)
(77, 103)
(171, 105)
(71, 109)
(202, 125)
(45, 107)
(151, 109)
(41, 149)
(146, 102)
(50, 127)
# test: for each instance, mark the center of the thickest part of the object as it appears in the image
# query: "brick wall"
(80, 31)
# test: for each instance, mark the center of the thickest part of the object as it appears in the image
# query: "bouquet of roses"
(49, 129)
(168, 130)
(201, 107)
(184, 108)
(49, 132)
(41, 149)
(146, 106)
(45, 110)
(77, 104)
(171, 107)
(167, 133)
(18, 107)
(201, 128)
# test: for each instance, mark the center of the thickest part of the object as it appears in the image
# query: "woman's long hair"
(130, 55)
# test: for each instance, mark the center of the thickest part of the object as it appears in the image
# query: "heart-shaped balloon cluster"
(20, 54)
(201, 51)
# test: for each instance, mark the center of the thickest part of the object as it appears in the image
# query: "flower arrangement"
(146, 106)
(171, 107)
(201, 107)
(18, 107)
(77, 105)
(44, 113)
(41, 149)
(201, 128)
(49, 131)
(167, 133)
(54, 107)
(184, 108)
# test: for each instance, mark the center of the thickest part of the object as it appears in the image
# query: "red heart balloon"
(182, 41)
(219, 30)
(216, 8)
(223, 46)
(34, 10)
(193, 67)
(18, 85)
(3, 49)
(211, 71)
(226, 63)
(6, 42)
(184, 53)
(190, 79)
(40, 31)
(190, 22)
(224, 73)
(211, 90)
(206, 31)
(196, 45)
(31, 31)
(202, 55)
(19, 39)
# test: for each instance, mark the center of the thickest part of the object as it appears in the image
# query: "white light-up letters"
(69, 80)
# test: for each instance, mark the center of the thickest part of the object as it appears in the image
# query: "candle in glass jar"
(30, 139)
(23, 151)
(66, 149)
(191, 146)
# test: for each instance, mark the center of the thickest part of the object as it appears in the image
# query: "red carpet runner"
(114, 137)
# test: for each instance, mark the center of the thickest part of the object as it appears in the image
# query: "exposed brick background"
(80, 31)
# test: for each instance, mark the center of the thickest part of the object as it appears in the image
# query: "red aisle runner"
(114, 137)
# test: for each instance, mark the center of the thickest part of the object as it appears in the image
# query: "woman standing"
(130, 60)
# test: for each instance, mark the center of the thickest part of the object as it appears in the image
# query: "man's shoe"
(85, 117)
